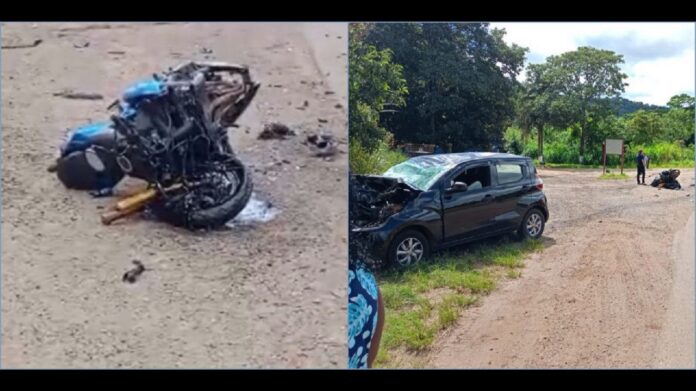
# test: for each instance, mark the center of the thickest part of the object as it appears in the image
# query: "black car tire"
(412, 241)
(533, 224)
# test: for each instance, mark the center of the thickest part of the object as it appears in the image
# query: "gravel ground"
(612, 289)
(262, 295)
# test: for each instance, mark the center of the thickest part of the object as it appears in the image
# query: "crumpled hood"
(381, 183)
(375, 198)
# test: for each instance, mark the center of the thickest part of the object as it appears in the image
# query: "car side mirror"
(457, 187)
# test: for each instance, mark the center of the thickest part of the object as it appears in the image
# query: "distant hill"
(627, 106)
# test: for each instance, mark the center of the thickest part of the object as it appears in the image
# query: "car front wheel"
(408, 248)
(532, 225)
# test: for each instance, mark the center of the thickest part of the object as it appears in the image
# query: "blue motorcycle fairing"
(143, 89)
(83, 137)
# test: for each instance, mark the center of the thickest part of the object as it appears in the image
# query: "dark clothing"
(641, 171)
(640, 160)
(640, 163)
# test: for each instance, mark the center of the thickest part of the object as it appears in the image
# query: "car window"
(419, 174)
(477, 177)
(509, 172)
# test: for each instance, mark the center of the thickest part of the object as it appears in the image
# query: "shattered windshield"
(419, 173)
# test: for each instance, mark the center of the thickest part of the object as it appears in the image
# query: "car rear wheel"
(533, 224)
(408, 248)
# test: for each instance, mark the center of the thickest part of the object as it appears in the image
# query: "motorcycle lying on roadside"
(667, 179)
(170, 131)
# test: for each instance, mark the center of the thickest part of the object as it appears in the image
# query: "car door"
(467, 214)
(511, 181)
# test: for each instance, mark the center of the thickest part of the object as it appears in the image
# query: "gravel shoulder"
(267, 295)
(612, 289)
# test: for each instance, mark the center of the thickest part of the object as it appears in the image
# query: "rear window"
(509, 172)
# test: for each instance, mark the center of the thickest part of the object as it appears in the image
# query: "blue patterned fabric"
(362, 315)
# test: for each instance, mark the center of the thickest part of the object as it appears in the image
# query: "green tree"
(679, 120)
(461, 79)
(681, 101)
(375, 81)
(576, 88)
(644, 127)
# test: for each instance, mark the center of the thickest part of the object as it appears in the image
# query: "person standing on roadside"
(642, 162)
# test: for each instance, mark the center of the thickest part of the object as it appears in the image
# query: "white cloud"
(659, 56)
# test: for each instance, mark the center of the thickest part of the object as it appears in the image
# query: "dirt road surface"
(265, 295)
(612, 289)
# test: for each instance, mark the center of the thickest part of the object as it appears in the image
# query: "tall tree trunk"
(525, 134)
(540, 141)
(582, 142)
(583, 135)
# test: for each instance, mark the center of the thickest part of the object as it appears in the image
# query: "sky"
(659, 57)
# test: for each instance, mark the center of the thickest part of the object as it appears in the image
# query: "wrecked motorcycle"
(667, 179)
(171, 131)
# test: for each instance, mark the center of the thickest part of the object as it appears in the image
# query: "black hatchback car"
(436, 201)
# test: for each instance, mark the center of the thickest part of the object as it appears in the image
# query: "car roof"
(462, 157)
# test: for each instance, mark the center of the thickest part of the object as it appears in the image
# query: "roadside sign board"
(613, 146)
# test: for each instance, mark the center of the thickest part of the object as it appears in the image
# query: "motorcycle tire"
(75, 172)
(215, 216)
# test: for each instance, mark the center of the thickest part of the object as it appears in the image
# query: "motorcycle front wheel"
(187, 210)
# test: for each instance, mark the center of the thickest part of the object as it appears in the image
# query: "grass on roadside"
(665, 165)
(423, 300)
(614, 175)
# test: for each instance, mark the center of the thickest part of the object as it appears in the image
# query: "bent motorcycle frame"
(223, 101)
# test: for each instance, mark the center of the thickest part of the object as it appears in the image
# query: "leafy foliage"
(461, 81)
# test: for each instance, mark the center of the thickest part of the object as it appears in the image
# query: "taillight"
(539, 182)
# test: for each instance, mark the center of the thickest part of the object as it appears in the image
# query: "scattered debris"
(277, 86)
(322, 120)
(326, 35)
(306, 104)
(78, 95)
(303, 81)
(23, 45)
(116, 52)
(322, 145)
(256, 211)
(329, 92)
(81, 45)
(132, 275)
(275, 131)
(338, 106)
(87, 27)
(338, 37)
(204, 50)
